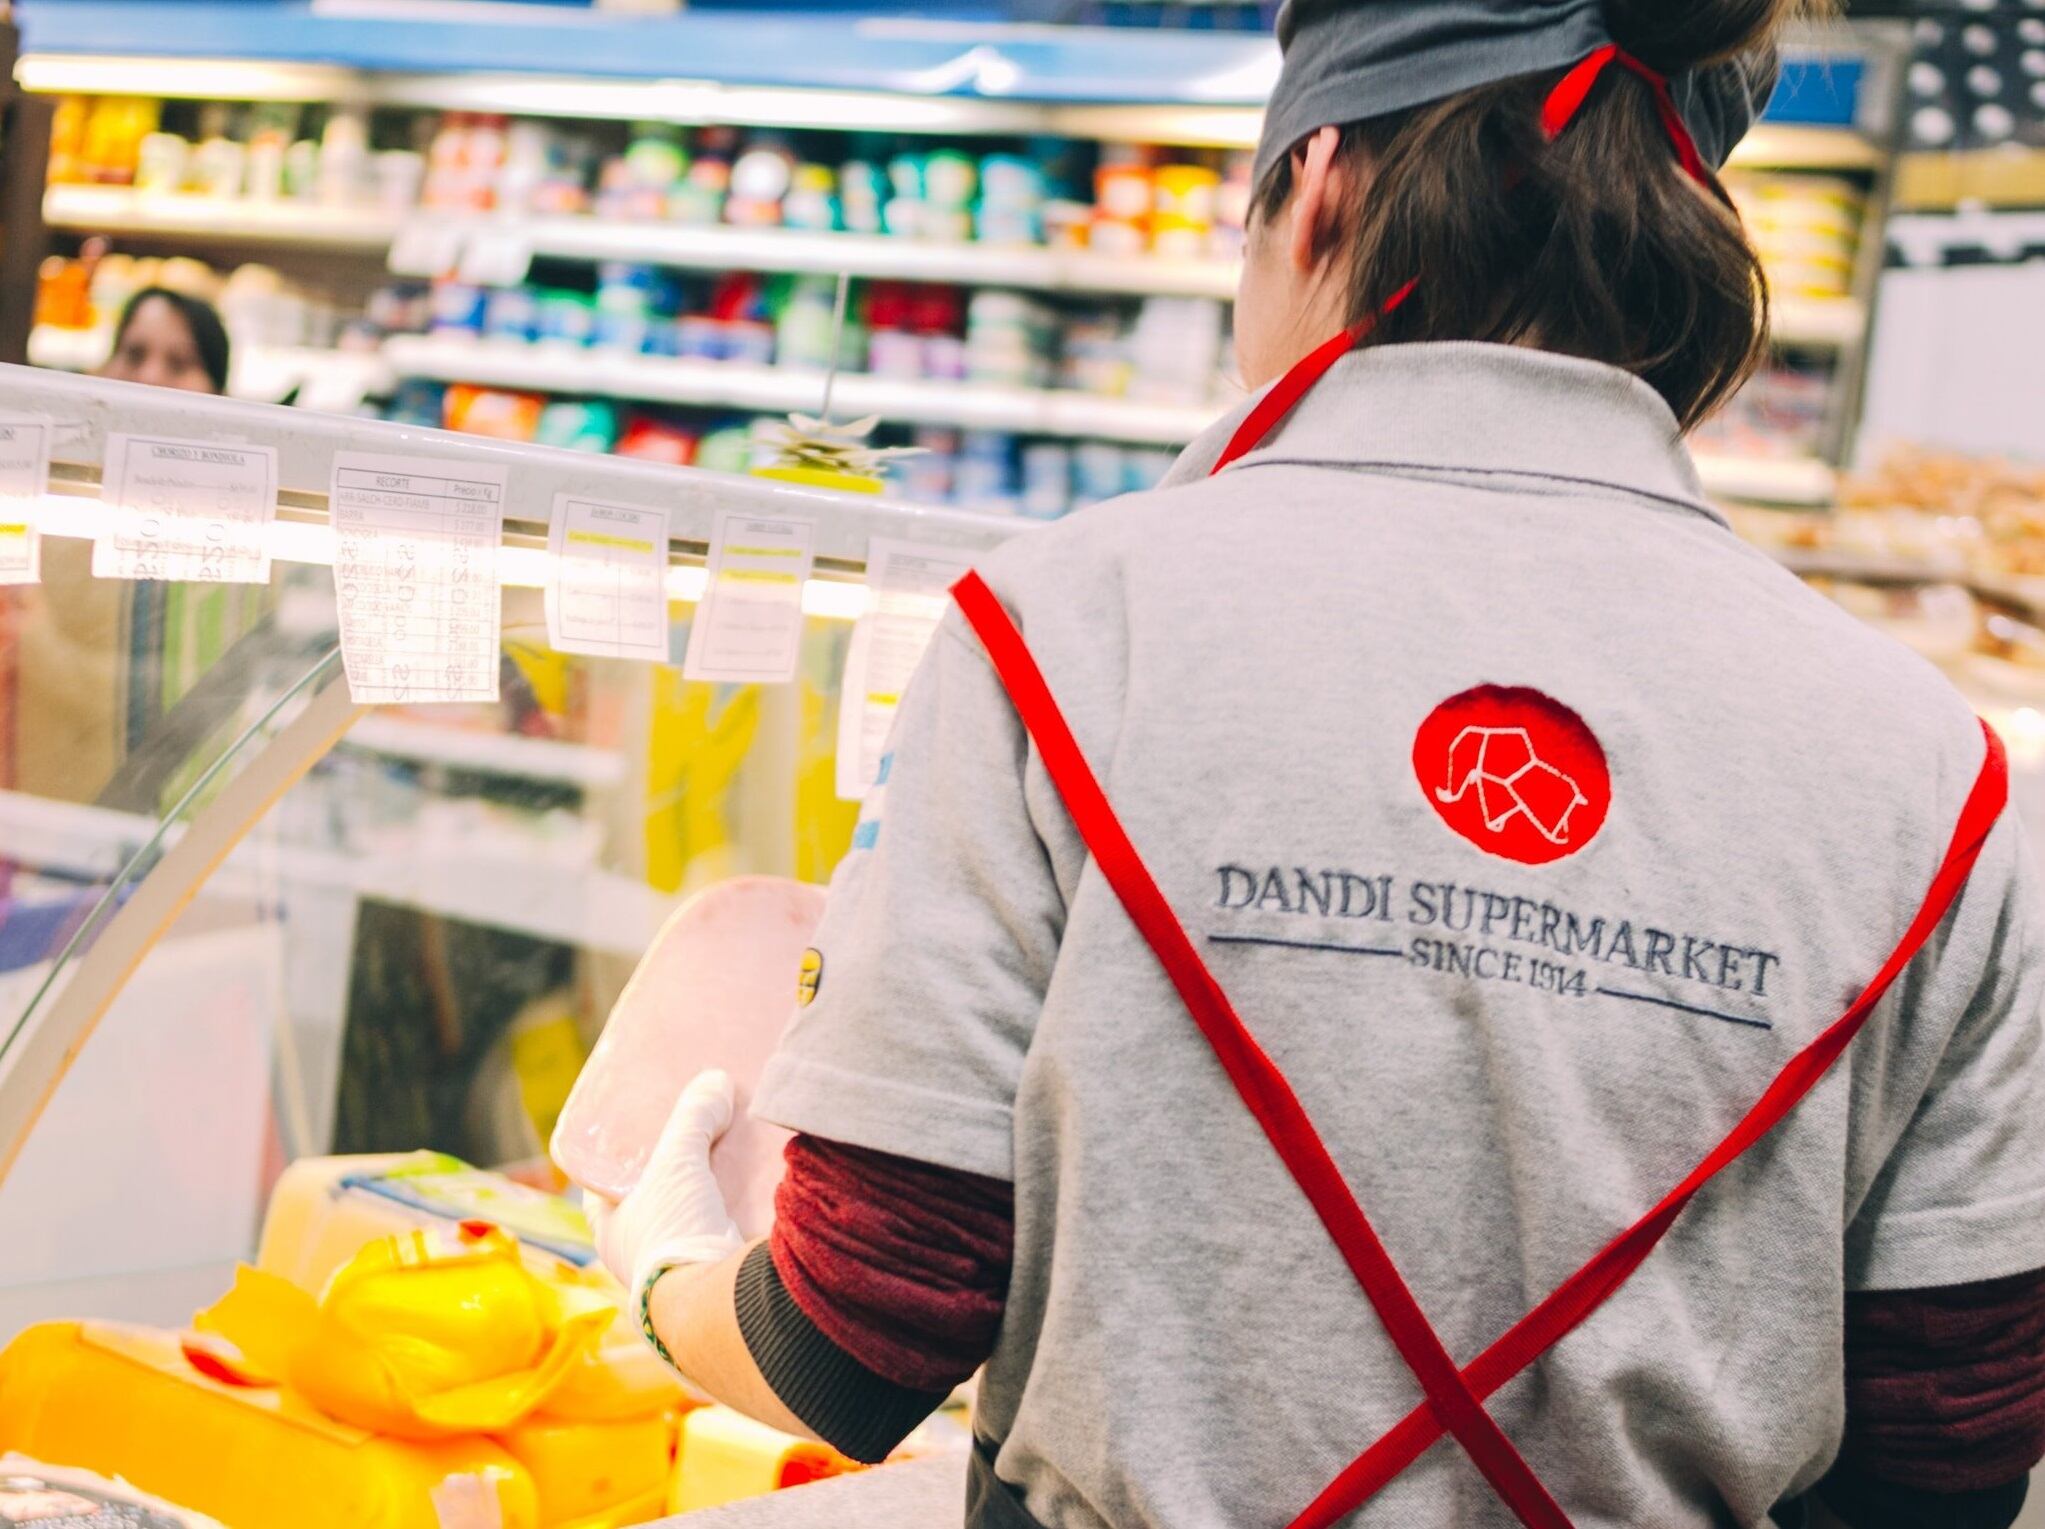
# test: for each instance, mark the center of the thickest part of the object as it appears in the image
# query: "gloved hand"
(675, 1216)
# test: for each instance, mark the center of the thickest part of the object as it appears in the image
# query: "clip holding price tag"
(607, 586)
(498, 255)
(427, 246)
(24, 479)
(748, 628)
(195, 512)
(908, 587)
(415, 576)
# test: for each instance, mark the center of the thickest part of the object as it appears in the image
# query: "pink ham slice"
(715, 990)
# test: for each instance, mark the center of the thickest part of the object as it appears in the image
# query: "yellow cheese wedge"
(126, 1401)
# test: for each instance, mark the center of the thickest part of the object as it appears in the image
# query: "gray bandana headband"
(1349, 60)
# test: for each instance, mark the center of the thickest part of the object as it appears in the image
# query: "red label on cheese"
(1515, 772)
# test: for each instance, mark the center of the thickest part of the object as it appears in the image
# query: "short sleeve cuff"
(887, 1115)
(1927, 1250)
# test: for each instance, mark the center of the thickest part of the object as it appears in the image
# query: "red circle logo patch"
(1515, 772)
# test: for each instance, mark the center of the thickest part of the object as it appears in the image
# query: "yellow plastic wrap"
(128, 1402)
(324, 1210)
(425, 1335)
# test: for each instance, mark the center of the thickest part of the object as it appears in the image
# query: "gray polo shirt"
(1532, 821)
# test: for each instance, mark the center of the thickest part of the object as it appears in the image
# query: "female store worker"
(1534, 827)
(171, 341)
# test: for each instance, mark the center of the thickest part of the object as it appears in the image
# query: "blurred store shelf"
(217, 220)
(336, 380)
(497, 880)
(732, 385)
(426, 243)
(1819, 323)
(489, 753)
(1801, 482)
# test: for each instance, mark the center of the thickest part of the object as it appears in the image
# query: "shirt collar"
(1461, 406)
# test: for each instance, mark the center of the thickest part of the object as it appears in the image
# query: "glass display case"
(247, 920)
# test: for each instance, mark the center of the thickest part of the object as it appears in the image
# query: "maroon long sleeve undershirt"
(904, 1267)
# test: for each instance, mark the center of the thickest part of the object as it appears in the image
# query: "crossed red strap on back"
(1454, 1395)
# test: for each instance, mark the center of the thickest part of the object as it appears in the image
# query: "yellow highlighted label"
(882, 698)
(736, 551)
(599, 539)
(7, 530)
(757, 576)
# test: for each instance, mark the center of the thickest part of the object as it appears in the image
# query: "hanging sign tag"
(497, 256)
(415, 572)
(24, 478)
(197, 512)
(427, 246)
(908, 585)
(607, 579)
(748, 628)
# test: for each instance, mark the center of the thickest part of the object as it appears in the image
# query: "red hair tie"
(1567, 99)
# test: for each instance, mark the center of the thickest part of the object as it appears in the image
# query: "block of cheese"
(125, 1401)
(64, 1497)
(715, 990)
(325, 1208)
(595, 1475)
(724, 1456)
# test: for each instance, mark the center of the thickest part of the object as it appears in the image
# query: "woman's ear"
(1316, 197)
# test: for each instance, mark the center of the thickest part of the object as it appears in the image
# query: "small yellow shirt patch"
(812, 976)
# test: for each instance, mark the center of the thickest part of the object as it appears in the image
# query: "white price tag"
(415, 573)
(24, 478)
(497, 256)
(908, 586)
(196, 512)
(749, 627)
(429, 247)
(607, 584)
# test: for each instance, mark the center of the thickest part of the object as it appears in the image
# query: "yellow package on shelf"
(723, 1456)
(129, 1402)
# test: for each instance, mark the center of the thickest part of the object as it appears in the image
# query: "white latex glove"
(675, 1215)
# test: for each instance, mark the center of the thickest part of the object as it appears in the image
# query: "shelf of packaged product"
(718, 247)
(336, 380)
(1022, 411)
(730, 385)
(487, 753)
(217, 220)
(1799, 482)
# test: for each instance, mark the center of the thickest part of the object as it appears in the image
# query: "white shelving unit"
(328, 379)
(489, 753)
(715, 247)
(719, 384)
(218, 220)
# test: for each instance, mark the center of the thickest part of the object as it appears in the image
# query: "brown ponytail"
(1595, 245)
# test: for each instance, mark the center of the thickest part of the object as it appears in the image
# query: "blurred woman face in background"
(156, 344)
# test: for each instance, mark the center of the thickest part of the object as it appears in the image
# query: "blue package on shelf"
(1817, 92)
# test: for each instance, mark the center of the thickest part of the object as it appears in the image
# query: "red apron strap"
(1288, 390)
(1583, 1292)
(1256, 1077)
